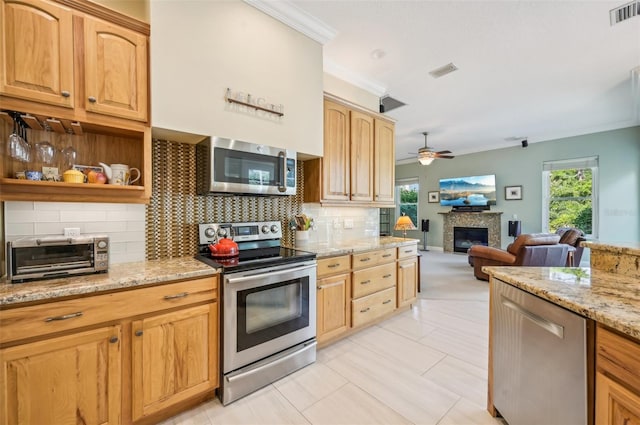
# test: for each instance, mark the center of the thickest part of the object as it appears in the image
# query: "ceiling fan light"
(425, 160)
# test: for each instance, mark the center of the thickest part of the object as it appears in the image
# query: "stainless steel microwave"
(43, 257)
(237, 167)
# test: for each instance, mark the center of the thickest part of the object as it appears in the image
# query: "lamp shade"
(404, 223)
(425, 160)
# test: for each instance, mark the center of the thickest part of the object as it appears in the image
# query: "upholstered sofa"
(532, 249)
(572, 237)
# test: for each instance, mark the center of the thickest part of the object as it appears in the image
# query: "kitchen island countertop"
(120, 276)
(325, 249)
(608, 298)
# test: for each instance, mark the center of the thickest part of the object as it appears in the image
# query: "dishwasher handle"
(548, 325)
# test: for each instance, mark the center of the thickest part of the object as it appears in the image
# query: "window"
(407, 194)
(570, 195)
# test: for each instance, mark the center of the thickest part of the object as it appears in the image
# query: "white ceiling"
(527, 69)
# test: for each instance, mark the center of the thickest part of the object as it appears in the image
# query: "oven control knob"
(222, 232)
(265, 229)
(274, 229)
(102, 244)
(209, 232)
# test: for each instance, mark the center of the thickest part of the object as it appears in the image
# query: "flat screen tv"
(468, 193)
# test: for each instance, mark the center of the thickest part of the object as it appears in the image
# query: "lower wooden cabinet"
(617, 378)
(374, 306)
(112, 358)
(615, 404)
(333, 306)
(72, 379)
(407, 281)
(174, 358)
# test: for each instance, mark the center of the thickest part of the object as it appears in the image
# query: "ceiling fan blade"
(445, 156)
(444, 152)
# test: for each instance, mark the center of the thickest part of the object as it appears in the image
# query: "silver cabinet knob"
(65, 93)
(92, 99)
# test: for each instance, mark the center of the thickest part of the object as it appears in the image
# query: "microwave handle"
(282, 156)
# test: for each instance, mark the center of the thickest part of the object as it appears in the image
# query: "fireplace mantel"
(488, 219)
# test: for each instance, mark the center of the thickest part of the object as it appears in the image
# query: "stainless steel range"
(268, 319)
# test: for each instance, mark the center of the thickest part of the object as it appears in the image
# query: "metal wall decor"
(254, 102)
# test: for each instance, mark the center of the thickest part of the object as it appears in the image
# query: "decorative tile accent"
(490, 220)
(175, 209)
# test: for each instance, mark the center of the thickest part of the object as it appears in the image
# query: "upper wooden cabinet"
(37, 52)
(115, 70)
(384, 162)
(66, 57)
(358, 166)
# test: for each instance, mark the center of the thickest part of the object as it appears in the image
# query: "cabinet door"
(615, 405)
(116, 69)
(361, 157)
(333, 305)
(407, 281)
(384, 162)
(36, 50)
(336, 160)
(175, 356)
(74, 379)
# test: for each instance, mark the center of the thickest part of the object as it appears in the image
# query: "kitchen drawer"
(42, 319)
(618, 356)
(373, 279)
(373, 258)
(407, 251)
(372, 307)
(333, 265)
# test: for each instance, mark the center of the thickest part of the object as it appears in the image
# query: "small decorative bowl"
(33, 175)
(73, 176)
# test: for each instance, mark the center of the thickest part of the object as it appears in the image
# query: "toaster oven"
(43, 257)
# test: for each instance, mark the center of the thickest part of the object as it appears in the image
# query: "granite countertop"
(629, 248)
(324, 249)
(608, 298)
(120, 276)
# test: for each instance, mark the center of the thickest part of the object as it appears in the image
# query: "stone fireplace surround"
(485, 219)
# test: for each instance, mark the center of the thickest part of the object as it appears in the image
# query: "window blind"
(588, 162)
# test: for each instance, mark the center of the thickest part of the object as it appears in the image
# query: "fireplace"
(486, 219)
(464, 237)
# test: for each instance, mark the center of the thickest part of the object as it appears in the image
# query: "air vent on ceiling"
(624, 12)
(388, 103)
(443, 70)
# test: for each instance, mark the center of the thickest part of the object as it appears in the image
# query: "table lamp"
(404, 223)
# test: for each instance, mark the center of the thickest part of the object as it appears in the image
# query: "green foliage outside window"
(570, 199)
(409, 201)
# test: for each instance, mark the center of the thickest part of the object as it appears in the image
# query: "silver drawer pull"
(365, 310)
(364, 282)
(65, 317)
(333, 266)
(386, 255)
(386, 276)
(408, 251)
(365, 259)
(173, 297)
(386, 302)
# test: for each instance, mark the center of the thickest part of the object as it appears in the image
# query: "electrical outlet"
(348, 223)
(71, 231)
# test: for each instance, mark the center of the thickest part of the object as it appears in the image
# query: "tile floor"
(424, 366)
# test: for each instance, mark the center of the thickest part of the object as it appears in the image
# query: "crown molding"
(296, 18)
(358, 80)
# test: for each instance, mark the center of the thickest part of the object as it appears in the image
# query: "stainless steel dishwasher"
(542, 360)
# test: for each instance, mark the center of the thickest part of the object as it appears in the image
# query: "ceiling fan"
(426, 155)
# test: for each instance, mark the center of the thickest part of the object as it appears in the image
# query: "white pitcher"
(120, 174)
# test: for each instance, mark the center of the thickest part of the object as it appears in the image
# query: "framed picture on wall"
(512, 193)
(434, 197)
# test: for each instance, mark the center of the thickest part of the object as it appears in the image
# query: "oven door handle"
(261, 274)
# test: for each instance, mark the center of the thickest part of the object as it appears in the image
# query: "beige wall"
(138, 9)
(350, 92)
(201, 48)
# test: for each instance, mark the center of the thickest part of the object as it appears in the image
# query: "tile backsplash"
(338, 224)
(123, 223)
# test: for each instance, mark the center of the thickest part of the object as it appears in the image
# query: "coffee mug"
(121, 175)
